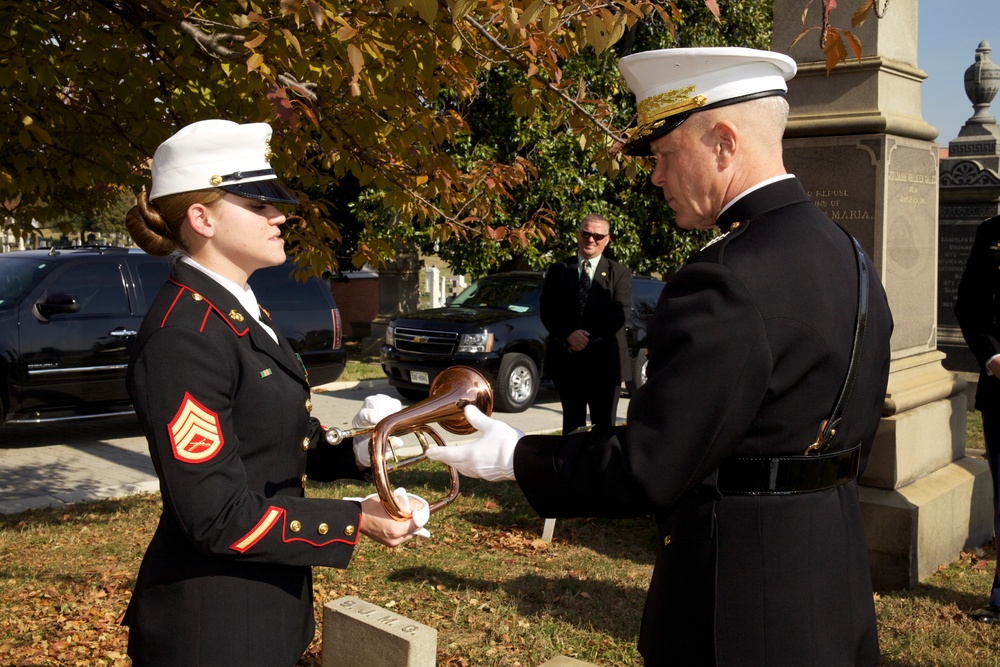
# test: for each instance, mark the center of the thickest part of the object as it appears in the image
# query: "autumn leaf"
(861, 13)
(254, 40)
(713, 6)
(835, 50)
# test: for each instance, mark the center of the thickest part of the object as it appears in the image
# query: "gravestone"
(858, 143)
(360, 634)
(970, 193)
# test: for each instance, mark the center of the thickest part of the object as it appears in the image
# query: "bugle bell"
(453, 389)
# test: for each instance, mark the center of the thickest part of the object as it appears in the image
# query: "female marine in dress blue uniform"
(224, 403)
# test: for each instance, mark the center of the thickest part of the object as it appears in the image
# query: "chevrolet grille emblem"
(420, 339)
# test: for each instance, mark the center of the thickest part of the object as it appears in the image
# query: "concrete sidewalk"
(57, 464)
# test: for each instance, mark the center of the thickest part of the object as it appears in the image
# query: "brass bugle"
(453, 389)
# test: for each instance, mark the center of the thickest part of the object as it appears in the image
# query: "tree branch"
(515, 59)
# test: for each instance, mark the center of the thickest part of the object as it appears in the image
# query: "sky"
(949, 31)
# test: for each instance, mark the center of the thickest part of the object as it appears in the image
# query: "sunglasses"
(592, 235)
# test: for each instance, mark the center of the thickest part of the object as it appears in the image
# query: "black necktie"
(584, 283)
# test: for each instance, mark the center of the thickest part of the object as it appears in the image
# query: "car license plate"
(419, 377)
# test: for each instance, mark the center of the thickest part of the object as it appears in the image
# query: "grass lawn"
(496, 593)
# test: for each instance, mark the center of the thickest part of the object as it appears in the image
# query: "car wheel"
(411, 394)
(517, 383)
(638, 377)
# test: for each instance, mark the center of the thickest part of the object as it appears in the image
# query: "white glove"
(491, 457)
(379, 526)
(419, 517)
(375, 408)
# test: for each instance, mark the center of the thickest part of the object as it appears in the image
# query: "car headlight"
(475, 342)
(390, 336)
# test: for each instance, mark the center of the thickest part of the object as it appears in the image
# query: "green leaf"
(426, 9)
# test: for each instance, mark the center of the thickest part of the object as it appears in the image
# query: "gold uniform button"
(305, 444)
(295, 526)
(323, 529)
(309, 405)
(349, 530)
(304, 479)
(197, 297)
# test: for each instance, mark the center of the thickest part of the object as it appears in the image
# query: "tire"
(411, 394)
(638, 377)
(517, 383)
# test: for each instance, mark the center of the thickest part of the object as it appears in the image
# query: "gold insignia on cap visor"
(666, 104)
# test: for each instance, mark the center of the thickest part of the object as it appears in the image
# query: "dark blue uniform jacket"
(226, 579)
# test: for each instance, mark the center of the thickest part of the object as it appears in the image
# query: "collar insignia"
(715, 240)
(235, 316)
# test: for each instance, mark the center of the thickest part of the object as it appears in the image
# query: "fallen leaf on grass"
(949, 612)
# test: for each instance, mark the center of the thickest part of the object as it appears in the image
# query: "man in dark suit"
(773, 333)
(977, 311)
(584, 306)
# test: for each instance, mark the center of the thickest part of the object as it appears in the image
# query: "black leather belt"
(783, 475)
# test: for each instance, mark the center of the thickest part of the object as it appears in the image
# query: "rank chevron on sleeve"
(195, 433)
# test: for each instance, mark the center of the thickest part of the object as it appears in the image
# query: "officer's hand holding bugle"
(374, 409)
(491, 457)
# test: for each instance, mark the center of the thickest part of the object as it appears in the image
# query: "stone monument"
(970, 193)
(858, 143)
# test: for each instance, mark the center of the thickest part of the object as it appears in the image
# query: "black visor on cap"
(640, 146)
(271, 191)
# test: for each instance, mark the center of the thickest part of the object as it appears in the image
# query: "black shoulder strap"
(828, 429)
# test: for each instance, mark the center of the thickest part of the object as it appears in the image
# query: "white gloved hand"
(375, 408)
(420, 516)
(491, 457)
(379, 526)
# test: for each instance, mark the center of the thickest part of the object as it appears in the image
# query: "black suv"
(494, 326)
(69, 319)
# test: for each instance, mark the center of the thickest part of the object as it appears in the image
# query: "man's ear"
(727, 142)
(200, 221)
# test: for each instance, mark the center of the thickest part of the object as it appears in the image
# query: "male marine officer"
(752, 350)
